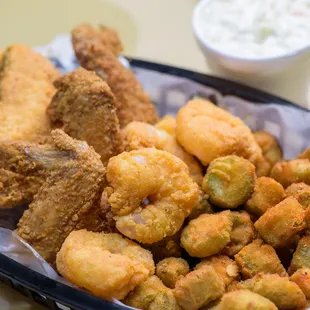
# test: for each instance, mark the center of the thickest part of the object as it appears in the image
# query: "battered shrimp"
(269, 145)
(225, 267)
(289, 172)
(171, 269)
(107, 265)
(302, 278)
(229, 181)
(208, 132)
(207, 235)
(281, 223)
(257, 257)
(267, 193)
(301, 192)
(142, 135)
(152, 295)
(281, 291)
(244, 300)
(159, 177)
(198, 288)
(242, 233)
(168, 123)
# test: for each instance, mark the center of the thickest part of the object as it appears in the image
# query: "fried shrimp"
(242, 232)
(208, 132)
(171, 269)
(107, 265)
(281, 291)
(289, 172)
(207, 235)
(225, 267)
(168, 123)
(152, 295)
(281, 223)
(142, 135)
(198, 288)
(244, 300)
(151, 193)
(257, 257)
(229, 181)
(267, 193)
(269, 145)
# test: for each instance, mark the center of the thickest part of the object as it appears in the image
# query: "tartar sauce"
(256, 28)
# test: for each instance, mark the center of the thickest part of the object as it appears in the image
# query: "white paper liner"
(290, 125)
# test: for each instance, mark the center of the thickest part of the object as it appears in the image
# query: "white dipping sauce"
(255, 28)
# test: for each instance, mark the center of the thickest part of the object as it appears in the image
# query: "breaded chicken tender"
(229, 181)
(302, 278)
(142, 135)
(289, 172)
(208, 132)
(242, 233)
(68, 199)
(269, 145)
(267, 193)
(132, 103)
(198, 288)
(301, 256)
(152, 295)
(168, 124)
(301, 192)
(225, 267)
(207, 235)
(108, 37)
(281, 291)
(26, 89)
(281, 223)
(84, 108)
(107, 265)
(258, 257)
(244, 300)
(171, 269)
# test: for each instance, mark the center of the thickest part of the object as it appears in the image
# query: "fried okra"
(207, 235)
(229, 181)
(289, 172)
(301, 257)
(170, 269)
(258, 257)
(267, 193)
(281, 223)
(202, 207)
(302, 278)
(307, 218)
(152, 295)
(305, 154)
(198, 288)
(242, 232)
(269, 145)
(244, 300)
(280, 290)
(301, 192)
(224, 266)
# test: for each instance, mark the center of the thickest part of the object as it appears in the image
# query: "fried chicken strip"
(26, 88)
(84, 108)
(132, 103)
(104, 35)
(70, 194)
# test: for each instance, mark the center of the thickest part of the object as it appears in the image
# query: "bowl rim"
(209, 46)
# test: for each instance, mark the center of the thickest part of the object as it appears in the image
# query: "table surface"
(157, 30)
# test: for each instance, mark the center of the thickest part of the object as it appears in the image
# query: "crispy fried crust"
(69, 194)
(132, 103)
(84, 108)
(26, 88)
(104, 36)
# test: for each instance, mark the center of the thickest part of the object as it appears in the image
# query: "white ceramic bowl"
(256, 67)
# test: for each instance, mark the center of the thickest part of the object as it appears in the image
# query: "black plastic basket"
(53, 294)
